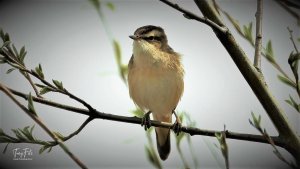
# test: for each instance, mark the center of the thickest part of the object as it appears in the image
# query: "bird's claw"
(146, 121)
(177, 127)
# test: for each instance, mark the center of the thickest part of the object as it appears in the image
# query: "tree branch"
(258, 15)
(32, 85)
(256, 82)
(43, 126)
(89, 119)
(189, 15)
(135, 120)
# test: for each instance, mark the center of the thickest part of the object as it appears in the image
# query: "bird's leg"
(177, 125)
(146, 120)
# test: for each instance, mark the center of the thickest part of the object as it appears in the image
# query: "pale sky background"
(68, 39)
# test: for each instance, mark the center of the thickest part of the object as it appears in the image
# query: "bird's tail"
(163, 142)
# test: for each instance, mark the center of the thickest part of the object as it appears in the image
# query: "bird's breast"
(154, 86)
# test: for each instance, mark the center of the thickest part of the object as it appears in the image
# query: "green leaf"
(96, 4)
(39, 71)
(58, 84)
(22, 54)
(15, 50)
(117, 51)
(124, 71)
(221, 137)
(2, 59)
(19, 135)
(286, 81)
(31, 129)
(43, 148)
(149, 154)
(1, 132)
(256, 121)
(30, 105)
(138, 113)
(45, 90)
(5, 148)
(1, 34)
(6, 37)
(110, 5)
(179, 137)
(5, 139)
(10, 70)
(27, 133)
(50, 149)
(248, 33)
(5, 44)
(215, 5)
(235, 23)
(293, 103)
(118, 56)
(151, 157)
(22, 50)
(269, 54)
(39, 85)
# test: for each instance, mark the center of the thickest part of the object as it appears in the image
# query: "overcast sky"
(68, 39)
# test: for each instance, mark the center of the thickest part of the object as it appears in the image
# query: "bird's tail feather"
(163, 142)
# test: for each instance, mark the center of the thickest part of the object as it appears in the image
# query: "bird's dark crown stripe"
(146, 29)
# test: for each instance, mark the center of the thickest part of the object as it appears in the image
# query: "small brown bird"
(155, 79)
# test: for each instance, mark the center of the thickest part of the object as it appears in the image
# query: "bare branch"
(135, 120)
(189, 15)
(258, 41)
(89, 119)
(42, 125)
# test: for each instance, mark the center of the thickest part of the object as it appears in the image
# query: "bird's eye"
(152, 38)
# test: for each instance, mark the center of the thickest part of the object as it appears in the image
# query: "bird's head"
(150, 36)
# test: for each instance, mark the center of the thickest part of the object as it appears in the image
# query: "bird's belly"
(155, 89)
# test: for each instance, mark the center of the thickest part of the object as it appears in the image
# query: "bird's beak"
(133, 37)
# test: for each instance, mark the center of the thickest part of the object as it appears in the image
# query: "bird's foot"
(146, 121)
(177, 125)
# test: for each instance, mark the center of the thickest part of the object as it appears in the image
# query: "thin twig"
(258, 45)
(32, 84)
(89, 119)
(191, 15)
(42, 125)
(136, 120)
